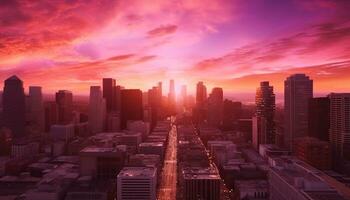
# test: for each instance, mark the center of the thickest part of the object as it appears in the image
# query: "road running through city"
(167, 188)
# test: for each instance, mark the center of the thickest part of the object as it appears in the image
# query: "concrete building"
(24, 149)
(251, 190)
(131, 101)
(292, 180)
(314, 152)
(319, 117)
(64, 101)
(36, 108)
(13, 103)
(109, 94)
(137, 183)
(62, 132)
(97, 110)
(215, 107)
(201, 183)
(101, 162)
(265, 110)
(298, 89)
(156, 148)
(339, 131)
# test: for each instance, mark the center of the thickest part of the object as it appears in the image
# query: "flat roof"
(137, 172)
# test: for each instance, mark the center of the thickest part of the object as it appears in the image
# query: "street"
(167, 186)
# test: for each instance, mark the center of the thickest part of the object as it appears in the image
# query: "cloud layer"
(234, 44)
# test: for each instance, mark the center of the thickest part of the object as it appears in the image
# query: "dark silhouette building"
(265, 109)
(319, 118)
(231, 113)
(215, 107)
(64, 101)
(14, 106)
(131, 101)
(109, 93)
(298, 89)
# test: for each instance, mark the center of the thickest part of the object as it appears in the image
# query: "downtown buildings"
(264, 125)
(298, 89)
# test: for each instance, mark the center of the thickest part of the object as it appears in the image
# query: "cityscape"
(175, 100)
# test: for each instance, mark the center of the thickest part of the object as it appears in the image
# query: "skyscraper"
(171, 96)
(109, 91)
(201, 92)
(14, 106)
(97, 110)
(319, 118)
(265, 109)
(36, 108)
(298, 89)
(131, 109)
(64, 101)
(215, 107)
(184, 95)
(340, 126)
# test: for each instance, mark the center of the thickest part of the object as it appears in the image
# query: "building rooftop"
(200, 173)
(151, 144)
(137, 172)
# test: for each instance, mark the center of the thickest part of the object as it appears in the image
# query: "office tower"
(109, 94)
(97, 110)
(101, 162)
(160, 89)
(131, 106)
(313, 151)
(231, 114)
(36, 108)
(298, 89)
(51, 114)
(201, 183)
(171, 97)
(184, 95)
(339, 132)
(14, 106)
(64, 101)
(137, 183)
(154, 104)
(265, 109)
(215, 107)
(293, 180)
(62, 132)
(117, 90)
(258, 131)
(319, 118)
(201, 92)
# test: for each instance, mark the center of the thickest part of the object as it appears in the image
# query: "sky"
(233, 44)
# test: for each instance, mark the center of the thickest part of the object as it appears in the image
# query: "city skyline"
(228, 44)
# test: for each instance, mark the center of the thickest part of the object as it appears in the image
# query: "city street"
(167, 186)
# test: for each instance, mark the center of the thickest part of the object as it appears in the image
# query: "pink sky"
(233, 44)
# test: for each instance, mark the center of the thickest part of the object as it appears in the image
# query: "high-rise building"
(36, 108)
(201, 92)
(64, 101)
(14, 106)
(231, 114)
(171, 97)
(184, 95)
(117, 91)
(215, 107)
(131, 101)
(97, 110)
(313, 151)
(265, 109)
(109, 91)
(339, 132)
(298, 89)
(319, 118)
(51, 114)
(137, 183)
(200, 183)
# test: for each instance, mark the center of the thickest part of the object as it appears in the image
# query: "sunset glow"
(233, 44)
